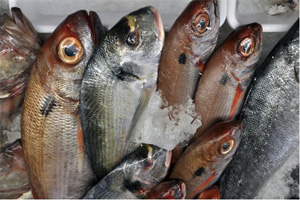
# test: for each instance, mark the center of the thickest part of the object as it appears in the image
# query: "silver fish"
(122, 67)
(141, 171)
(270, 121)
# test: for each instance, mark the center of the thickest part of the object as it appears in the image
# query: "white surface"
(240, 12)
(45, 15)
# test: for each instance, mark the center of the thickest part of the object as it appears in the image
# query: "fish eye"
(227, 146)
(70, 50)
(246, 46)
(148, 164)
(200, 23)
(133, 39)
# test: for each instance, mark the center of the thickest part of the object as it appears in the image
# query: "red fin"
(201, 66)
(210, 193)
(239, 93)
(200, 188)
(80, 146)
(34, 194)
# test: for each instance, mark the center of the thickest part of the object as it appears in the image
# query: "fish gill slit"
(48, 105)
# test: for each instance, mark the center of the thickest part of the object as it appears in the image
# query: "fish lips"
(96, 26)
(93, 21)
(158, 23)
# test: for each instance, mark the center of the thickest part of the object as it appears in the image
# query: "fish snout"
(158, 24)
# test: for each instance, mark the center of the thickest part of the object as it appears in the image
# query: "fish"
(271, 122)
(204, 160)
(211, 193)
(136, 175)
(19, 45)
(14, 179)
(122, 70)
(174, 189)
(190, 42)
(50, 124)
(226, 80)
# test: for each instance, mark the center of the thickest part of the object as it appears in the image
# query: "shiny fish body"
(19, 45)
(14, 179)
(270, 120)
(203, 162)
(50, 124)
(142, 170)
(123, 68)
(186, 49)
(225, 82)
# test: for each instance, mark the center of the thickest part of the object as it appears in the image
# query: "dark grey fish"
(141, 171)
(270, 121)
(121, 71)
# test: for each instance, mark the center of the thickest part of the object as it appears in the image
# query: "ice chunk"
(165, 127)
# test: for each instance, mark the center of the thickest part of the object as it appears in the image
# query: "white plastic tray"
(240, 12)
(45, 15)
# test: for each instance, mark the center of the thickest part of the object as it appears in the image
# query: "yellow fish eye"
(227, 146)
(70, 50)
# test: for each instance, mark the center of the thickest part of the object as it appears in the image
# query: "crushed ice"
(165, 127)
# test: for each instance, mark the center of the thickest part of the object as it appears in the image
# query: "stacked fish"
(88, 90)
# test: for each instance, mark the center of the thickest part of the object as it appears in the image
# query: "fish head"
(201, 20)
(244, 47)
(146, 168)
(64, 56)
(19, 44)
(174, 189)
(223, 139)
(133, 46)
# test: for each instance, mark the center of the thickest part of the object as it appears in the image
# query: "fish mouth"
(158, 24)
(95, 25)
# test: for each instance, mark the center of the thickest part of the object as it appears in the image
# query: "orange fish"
(227, 77)
(204, 160)
(190, 42)
(50, 124)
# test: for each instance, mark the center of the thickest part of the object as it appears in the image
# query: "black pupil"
(201, 23)
(131, 38)
(226, 145)
(71, 50)
(247, 46)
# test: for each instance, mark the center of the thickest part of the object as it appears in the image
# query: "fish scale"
(226, 79)
(271, 122)
(50, 124)
(113, 85)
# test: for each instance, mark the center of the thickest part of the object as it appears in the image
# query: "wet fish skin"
(122, 69)
(227, 77)
(185, 50)
(203, 162)
(13, 175)
(50, 124)
(270, 119)
(19, 45)
(142, 170)
(211, 193)
(174, 189)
